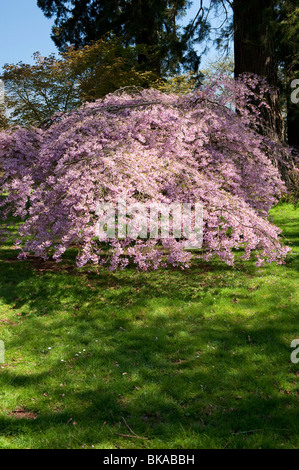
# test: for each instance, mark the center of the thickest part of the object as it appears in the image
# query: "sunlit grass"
(188, 359)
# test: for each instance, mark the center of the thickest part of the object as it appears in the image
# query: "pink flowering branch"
(151, 147)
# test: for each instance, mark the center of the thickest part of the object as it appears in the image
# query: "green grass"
(188, 359)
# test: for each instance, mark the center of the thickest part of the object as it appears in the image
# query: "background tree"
(52, 85)
(266, 43)
(250, 26)
(287, 45)
(255, 53)
(3, 116)
(35, 92)
(148, 147)
(149, 23)
(105, 66)
(264, 34)
(4, 123)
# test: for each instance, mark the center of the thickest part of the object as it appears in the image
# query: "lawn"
(169, 359)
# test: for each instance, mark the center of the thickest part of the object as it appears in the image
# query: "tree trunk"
(254, 53)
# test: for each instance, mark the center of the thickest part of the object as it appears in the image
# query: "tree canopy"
(147, 147)
(35, 92)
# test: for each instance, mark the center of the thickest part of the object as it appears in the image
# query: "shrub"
(150, 147)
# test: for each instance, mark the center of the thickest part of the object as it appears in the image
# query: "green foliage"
(185, 83)
(4, 123)
(149, 23)
(3, 116)
(51, 85)
(35, 92)
(289, 44)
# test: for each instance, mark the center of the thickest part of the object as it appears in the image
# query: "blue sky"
(24, 30)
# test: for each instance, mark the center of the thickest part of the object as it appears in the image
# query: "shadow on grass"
(190, 359)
